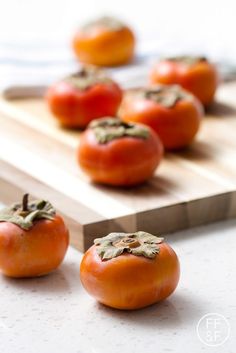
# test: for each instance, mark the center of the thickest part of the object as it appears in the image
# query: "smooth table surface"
(54, 313)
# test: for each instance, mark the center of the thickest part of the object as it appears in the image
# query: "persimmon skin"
(33, 252)
(124, 161)
(129, 281)
(201, 78)
(102, 46)
(75, 108)
(176, 126)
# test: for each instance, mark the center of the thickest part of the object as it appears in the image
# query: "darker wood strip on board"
(169, 219)
(188, 214)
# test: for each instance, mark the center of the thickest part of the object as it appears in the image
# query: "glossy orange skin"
(33, 252)
(201, 79)
(75, 108)
(129, 281)
(102, 46)
(176, 126)
(121, 162)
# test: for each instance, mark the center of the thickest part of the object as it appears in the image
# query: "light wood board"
(192, 187)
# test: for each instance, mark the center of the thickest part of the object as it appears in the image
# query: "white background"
(205, 25)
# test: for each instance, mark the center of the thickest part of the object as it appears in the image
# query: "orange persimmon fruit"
(88, 94)
(196, 74)
(33, 239)
(173, 113)
(130, 270)
(104, 42)
(116, 153)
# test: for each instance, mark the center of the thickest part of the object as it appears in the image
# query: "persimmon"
(117, 153)
(173, 113)
(130, 270)
(33, 239)
(86, 95)
(195, 74)
(104, 42)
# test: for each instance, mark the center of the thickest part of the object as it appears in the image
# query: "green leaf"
(147, 250)
(148, 238)
(87, 77)
(109, 252)
(108, 129)
(166, 95)
(138, 243)
(110, 238)
(36, 210)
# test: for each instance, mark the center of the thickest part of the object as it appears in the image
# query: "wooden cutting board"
(192, 187)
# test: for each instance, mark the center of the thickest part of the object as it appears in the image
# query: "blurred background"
(35, 36)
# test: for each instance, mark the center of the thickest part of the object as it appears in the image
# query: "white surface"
(207, 23)
(35, 36)
(54, 314)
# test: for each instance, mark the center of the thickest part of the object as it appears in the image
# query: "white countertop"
(54, 313)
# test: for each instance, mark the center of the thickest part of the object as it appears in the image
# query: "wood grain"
(195, 186)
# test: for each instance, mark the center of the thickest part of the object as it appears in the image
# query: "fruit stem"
(25, 202)
(127, 241)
